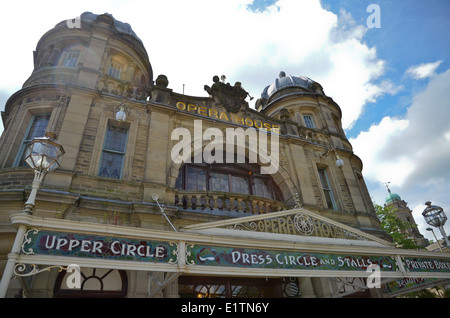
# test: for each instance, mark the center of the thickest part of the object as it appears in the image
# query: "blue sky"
(412, 32)
(392, 83)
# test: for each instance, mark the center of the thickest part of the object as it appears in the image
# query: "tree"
(395, 227)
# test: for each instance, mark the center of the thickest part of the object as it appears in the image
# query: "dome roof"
(285, 80)
(121, 27)
(391, 197)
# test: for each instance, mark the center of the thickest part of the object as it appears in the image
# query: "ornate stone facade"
(82, 74)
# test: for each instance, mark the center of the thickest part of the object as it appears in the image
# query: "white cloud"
(191, 41)
(412, 152)
(423, 70)
(369, 146)
(415, 147)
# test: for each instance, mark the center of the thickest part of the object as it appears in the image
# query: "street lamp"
(42, 154)
(439, 244)
(122, 111)
(435, 216)
(339, 161)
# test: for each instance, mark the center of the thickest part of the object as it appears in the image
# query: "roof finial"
(387, 186)
(282, 74)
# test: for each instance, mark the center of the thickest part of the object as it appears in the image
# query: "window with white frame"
(71, 58)
(113, 155)
(309, 121)
(326, 187)
(115, 69)
(36, 128)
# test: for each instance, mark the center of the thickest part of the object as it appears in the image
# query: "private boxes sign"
(94, 246)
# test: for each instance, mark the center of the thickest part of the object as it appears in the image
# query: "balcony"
(115, 86)
(226, 202)
(52, 75)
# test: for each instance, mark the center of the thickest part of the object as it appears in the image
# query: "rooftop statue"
(231, 97)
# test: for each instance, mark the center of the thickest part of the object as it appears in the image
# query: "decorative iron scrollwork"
(24, 270)
(26, 240)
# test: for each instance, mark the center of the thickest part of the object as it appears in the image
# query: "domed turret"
(287, 84)
(119, 26)
(95, 51)
(285, 81)
(391, 197)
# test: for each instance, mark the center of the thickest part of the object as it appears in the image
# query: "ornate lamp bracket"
(20, 269)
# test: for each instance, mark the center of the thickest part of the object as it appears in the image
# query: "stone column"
(44, 58)
(130, 72)
(56, 53)
(171, 291)
(306, 288)
(322, 287)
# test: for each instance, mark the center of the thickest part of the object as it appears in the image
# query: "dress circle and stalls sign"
(95, 246)
(273, 259)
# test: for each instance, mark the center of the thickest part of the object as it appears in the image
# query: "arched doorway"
(95, 283)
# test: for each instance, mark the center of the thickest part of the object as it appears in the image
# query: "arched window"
(242, 178)
(95, 283)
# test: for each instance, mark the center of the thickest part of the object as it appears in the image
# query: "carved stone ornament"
(231, 97)
(299, 223)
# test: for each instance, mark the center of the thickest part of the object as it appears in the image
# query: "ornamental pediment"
(296, 222)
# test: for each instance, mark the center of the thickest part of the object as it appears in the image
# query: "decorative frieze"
(298, 224)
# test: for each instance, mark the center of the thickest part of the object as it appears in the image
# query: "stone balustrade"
(211, 201)
(115, 86)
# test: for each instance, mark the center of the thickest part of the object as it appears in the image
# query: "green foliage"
(424, 293)
(395, 227)
(433, 292)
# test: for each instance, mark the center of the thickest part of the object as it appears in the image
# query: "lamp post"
(439, 244)
(42, 154)
(435, 216)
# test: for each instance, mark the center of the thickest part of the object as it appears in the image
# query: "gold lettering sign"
(217, 114)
